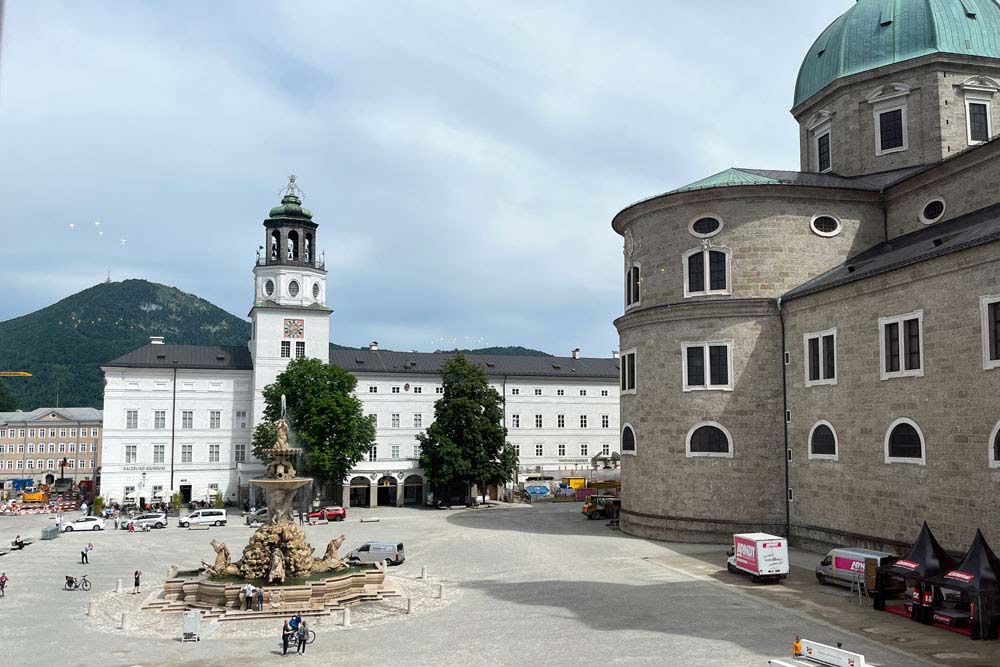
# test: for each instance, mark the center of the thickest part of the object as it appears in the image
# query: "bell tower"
(290, 317)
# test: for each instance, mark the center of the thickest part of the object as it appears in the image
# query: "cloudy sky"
(463, 159)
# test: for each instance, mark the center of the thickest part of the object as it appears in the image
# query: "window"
(31, 447)
(539, 449)
(300, 349)
(705, 226)
(213, 453)
(71, 463)
(605, 421)
(214, 418)
(438, 390)
(606, 450)
(286, 349)
(395, 390)
(186, 453)
(394, 419)
(706, 366)
(131, 419)
(72, 448)
(628, 383)
(823, 441)
(50, 464)
(709, 439)
(932, 211)
(632, 286)
(373, 454)
(159, 418)
(560, 392)
(62, 433)
(130, 453)
(561, 448)
(901, 342)
(293, 287)
(157, 491)
(20, 464)
(372, 389)
(93, 432)
(514, 391)
(31, 433)
(241, 418)
(416, 452)
(30, 463)
(418, 420)
(628, 440)
(129, 491)
(418, 390)
(560, 421)
(825, 225)
(517, 450)
(904, 443)
(823, 163)
(538, 421)
(538, 392)
(52, 433)
(52, 447)
(978, 112)
(583, 392)
(604, 392)
(583, 421)
(83, 448)
(989, 307)
(890, 130)
(821, 357)
(515, 421)
(240, 452)
(62, 448)
(706, 271)
(187, 419)
(158, 453)
(394, 452)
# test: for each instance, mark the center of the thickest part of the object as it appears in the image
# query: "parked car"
(151, 519)
(203, 518)
(259, 515)
(330, 513)
(84, 523)
(391, 553)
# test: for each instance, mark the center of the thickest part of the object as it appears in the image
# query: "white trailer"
(762, 556)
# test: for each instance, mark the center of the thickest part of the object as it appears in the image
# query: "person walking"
(116, 520)
(135, 585)
(797, 647)
(303, 635)
(83, 507)
(3, 584)
(259, 599)
(131, 526)
(84, 553)
(286, 636)
(248, 596)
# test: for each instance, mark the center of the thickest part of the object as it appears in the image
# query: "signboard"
(746, 553)
(908, 564)
(961, 576)
(849, 564)
(829, 655)
(143, 468)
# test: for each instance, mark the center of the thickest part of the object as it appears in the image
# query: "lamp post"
(62, 468)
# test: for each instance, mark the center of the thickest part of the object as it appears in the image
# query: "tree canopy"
(467, 442)
(7, 402)
(325, 418)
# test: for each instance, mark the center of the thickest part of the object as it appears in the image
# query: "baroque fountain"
(278, 559)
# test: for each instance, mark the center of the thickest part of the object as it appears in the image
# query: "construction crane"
(15, 374)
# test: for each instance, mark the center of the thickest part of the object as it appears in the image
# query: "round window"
(825, 225)
(315, 290)
(293, 288)
(269, 288)
(933, 211)
(705, 226)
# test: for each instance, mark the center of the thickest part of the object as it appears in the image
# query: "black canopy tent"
(976, 578)
(926, 558)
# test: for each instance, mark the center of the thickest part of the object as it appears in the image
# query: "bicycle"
(309, 640)
(72, 583)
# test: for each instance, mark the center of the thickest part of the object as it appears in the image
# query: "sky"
(463, 159)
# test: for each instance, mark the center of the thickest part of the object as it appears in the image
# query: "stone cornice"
(697, 310)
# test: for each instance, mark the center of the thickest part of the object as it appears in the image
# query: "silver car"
(390, 553)
(151, 519)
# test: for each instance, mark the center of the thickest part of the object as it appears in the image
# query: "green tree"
(467, 442)
(7, 402)
(325, 418)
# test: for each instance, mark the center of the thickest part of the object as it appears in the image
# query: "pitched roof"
(429, 363)
(737, 176)
(70, 414)
(965, 231)
(221, 357)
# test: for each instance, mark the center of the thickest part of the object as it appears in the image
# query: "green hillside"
(509, 351)
(64, 344)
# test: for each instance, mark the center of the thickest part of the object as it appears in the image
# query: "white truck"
(762, 556)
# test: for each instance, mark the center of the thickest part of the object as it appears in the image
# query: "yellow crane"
(15, 374)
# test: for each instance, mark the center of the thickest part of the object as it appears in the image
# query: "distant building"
(32, 444)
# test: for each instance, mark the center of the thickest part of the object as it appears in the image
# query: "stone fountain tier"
(287, 539)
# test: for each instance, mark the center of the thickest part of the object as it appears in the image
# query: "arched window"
(307, 254)
(632, 286)
(823, 441)
(275, 244)
(293, 245)
(706, 271)
(628, 440)
(995, 447)
(904, 443)
(709, 439)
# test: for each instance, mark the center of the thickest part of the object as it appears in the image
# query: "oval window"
(293, 288)
(932, 211)
(269, 288)
(705, 226)
(825, 225)
(315, 290)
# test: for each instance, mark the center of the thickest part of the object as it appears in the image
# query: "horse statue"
(331, 560)
(224, 567)
(277, 573)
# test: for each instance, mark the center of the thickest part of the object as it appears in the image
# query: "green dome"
(291, 207)
(875, 33)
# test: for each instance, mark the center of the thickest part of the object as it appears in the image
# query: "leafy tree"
(325, 418)
(467, 442)
(7, 402)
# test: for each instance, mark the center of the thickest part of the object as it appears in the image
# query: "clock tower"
(289, 316)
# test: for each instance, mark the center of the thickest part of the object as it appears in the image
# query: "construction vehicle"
(35, 495)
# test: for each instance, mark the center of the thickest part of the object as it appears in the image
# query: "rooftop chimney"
(576, 353)
(615, 354)
(156, 340)
(373, 345)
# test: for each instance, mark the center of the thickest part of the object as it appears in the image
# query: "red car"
(330, 513)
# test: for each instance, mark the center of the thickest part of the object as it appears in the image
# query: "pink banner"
(849, 564)
(746, 553)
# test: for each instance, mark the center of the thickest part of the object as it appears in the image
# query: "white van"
(764, 557)
(845, 566)
(391, 553)
(203, 518)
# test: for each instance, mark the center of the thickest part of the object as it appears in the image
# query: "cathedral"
(817, 353)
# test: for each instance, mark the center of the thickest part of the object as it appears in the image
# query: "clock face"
(295, 328)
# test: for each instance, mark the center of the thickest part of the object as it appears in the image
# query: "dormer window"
(819, 127)
(978, 92)
(889, 106)
(823, 164)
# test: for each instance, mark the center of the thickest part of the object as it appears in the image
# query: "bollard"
(409, 605)
(91, 608)
(347, 617)
(118, 586)
(124, 620)
(440, 591)
(423, 572)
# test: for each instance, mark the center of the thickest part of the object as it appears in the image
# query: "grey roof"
(71, 414)
(873, 182)
(429, 363)
(221, 357)
(966, 231)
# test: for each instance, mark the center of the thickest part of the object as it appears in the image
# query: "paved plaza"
(521, 584)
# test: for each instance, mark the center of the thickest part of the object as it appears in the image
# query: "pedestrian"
(131, 526)
(18, 543)
(797, 647)
(116, 520)
(58, 520)
(83, 507)
(286, 636)
(302, 518)
(135, 585)
(259, 595)
(248, 596)
(3, 584)
(302, 634)
(84, 552)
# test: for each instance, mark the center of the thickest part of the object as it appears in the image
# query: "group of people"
(253, 596)
(294, 629)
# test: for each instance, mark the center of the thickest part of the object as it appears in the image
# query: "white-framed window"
(560, 392)
(241, 418)
(539, 450)
(561, 449)
(31, 433)
(418, 390)
(83, 448)
(52, 447)
(52, 433)
(158, 453)
(395, 390)
(131, 419)
(583, 392)
(187, 418)
(159, 418)
(904, 442)
(416, 452)
(286, 349)
(707, 365)
(20, 464)
(214, 418)
(822, 147)
(394, 420)
(129, 491)
(418, 420)
(989, 308)
(825, 225)
(186, 453)
(538, 392)
(560, 421)
(705, 226)
(157, 491)
(890, 128)
(394, 452)
(61, 448)
(373, 453)
(213, 452)
(823, 441)
(583, 421)
(300, 349)
(93, 432)
(72, 448)
(632, 286)
(993, 445)
(62, 433)
(20, 448)
(130, 453)
(706, 271)
(515, 421)
(978, 115)
(31, 447)
(50, 464)
(821, 357)
(604, 392)
(901, 343)
(517, 450)
(438, 390)
(514, 391)
(709, 439)
(605, 421)
(628, 383)
(71, 463)
(933, 210)
(538, 421)
(31, 463)
(240, 452)
(372, 389)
